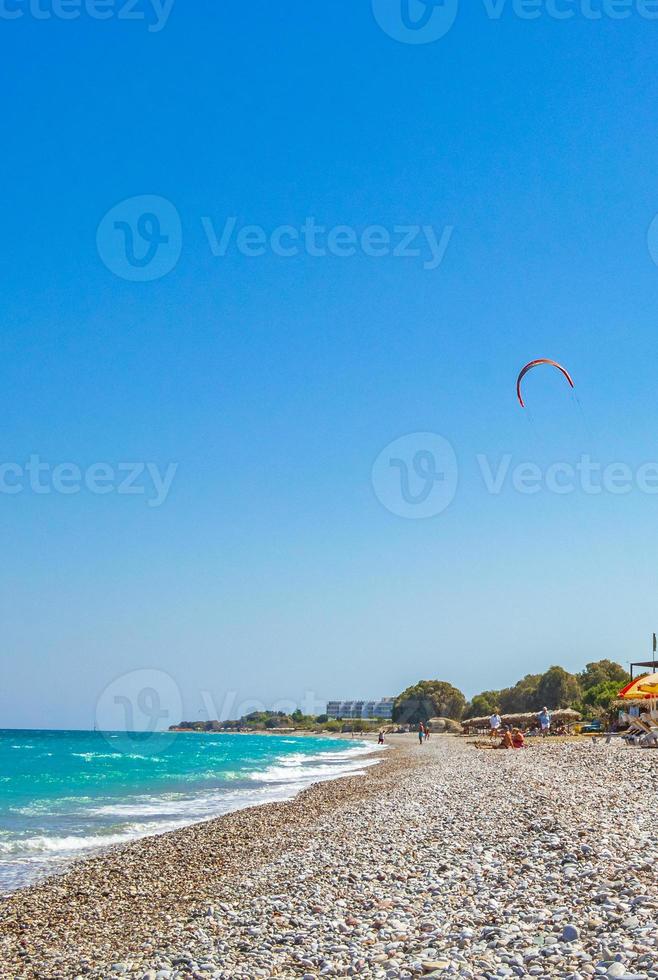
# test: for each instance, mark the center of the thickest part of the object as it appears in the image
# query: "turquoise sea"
(65, 794)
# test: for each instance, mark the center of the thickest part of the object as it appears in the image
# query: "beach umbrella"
(641, 688)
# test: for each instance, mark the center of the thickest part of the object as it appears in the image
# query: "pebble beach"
(443, 860)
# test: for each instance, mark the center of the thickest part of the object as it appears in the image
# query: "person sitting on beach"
(544, 717)
(506, 742)
(518, 741)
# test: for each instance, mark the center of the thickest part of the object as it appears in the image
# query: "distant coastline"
(280, 732)
(272, 723)
(591, 693)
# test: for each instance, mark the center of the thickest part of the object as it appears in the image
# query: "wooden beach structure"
(646, 666)
(643, 666)
(561, 717)
(443, 726)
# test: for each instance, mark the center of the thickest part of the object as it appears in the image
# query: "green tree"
(522, 697)
(428, 699)
(275, 722)
(558, 688)
(601, 672)
(601, 695)
(482, 704)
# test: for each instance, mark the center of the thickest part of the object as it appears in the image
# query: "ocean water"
(66, 794)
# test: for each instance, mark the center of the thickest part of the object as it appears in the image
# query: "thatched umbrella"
(641, 693)
(524, 719)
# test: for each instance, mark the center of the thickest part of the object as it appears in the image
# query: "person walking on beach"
(544, 721)
(494, 723)
(421, 732)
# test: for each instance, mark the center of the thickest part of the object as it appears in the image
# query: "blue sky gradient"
(273, 383)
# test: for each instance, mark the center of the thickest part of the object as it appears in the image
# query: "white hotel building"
(382, 708)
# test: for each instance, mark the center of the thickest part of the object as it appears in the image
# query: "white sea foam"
(44, 853)
(25, 858)
(298, 769)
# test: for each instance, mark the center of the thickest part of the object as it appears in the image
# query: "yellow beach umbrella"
(641, 687)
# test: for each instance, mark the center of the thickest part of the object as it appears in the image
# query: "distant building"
(382, 708)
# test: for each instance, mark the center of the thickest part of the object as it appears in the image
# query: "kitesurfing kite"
(533, 364)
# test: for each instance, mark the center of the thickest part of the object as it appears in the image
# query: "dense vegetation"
(272, 720)
(428, 699)
(590, 692)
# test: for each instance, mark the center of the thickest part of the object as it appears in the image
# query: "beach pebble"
(463, 863)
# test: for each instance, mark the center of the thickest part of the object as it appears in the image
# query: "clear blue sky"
(274, 382)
